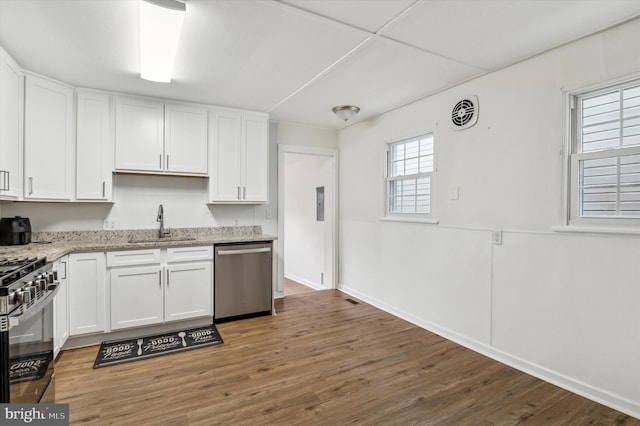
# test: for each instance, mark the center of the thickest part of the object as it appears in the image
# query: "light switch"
(454, 193)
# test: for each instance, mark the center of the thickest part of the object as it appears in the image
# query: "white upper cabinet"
(139, 135)
(185, 139)
(152, 137)
(10, 127)
(48, 140)
(94, 146)
(225, 128)
(239, 157)
(255, 173)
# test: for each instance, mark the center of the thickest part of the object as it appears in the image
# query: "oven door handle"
(14, 319)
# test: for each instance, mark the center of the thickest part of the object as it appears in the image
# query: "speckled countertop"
(54, 245)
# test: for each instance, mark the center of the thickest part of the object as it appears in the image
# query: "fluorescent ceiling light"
(160, 26)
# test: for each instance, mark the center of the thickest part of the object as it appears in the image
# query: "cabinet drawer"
(133, 257)
(183, 254)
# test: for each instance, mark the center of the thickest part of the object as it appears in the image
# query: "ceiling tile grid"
(298, 58)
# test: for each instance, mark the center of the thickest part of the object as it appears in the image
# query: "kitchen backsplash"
(124, 235)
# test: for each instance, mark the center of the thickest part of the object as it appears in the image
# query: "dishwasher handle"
(244, 251)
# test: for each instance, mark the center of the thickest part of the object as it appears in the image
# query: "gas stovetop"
(24, 282)
(12, 270)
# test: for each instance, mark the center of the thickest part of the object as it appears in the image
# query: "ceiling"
(296, 59)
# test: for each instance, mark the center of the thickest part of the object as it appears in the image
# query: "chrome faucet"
(163, 232)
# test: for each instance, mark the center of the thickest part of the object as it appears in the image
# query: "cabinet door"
(61, 307)
(10, 127)
(139, 135)
(94, 158)
(136, 296)
(255, 170)
(48, 140)
(226, 133)
(86, 293)
(189, 290)
(185, 139)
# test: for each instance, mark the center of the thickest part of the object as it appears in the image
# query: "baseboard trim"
(304, 282)
(583, 389)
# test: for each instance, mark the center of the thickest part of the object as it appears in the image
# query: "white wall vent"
(465, 113)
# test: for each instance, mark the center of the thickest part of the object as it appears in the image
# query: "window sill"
(606, 230)
(410, 220)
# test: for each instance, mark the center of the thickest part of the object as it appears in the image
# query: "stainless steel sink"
(159, 240)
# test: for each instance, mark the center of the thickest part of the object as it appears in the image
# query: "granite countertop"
(54, 245)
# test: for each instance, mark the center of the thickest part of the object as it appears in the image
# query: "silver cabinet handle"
(160, 278)
(245, 251)
(239, 194)
(160, 157)
(167, 165)
(104, 189)
(30, 185)
(168, 275)
(5, 181)
(65, 271)
(244, 192)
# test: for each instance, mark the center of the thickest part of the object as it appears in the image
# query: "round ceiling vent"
(465, 113)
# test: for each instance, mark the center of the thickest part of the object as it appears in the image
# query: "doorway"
(307, 225)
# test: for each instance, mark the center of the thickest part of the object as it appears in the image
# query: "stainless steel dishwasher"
(243, 280)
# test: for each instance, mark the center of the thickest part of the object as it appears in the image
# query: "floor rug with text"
(126, 350)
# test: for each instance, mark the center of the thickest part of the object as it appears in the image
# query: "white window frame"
(572, 156)
(404, 216)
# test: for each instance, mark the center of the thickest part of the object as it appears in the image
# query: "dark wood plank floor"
(321, 361)
(292, 287)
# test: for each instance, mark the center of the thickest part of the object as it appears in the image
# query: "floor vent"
(353, 302)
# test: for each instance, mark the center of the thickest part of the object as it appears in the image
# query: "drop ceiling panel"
(234, 53)
(378, 77)
(368, 15)
(493, 33)
(253, 54)
(292, 56)
(68, 40)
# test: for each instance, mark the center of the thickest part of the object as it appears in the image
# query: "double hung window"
(605, 156)
(409, 176)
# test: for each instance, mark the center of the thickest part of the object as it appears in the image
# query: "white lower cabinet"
(86, 279)
(188, 290)
(136, 296)
(160, 285)
(61, 307)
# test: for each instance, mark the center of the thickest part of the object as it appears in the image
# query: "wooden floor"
(292, 287)
(322, 360)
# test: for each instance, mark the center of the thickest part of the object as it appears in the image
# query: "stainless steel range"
(27, 289)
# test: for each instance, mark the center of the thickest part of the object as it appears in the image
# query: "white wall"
(561, 306)
(305, 237)
(306, 135)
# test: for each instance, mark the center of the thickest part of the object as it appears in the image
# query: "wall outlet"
(109, 224)
(268, 214)
(497, 238)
